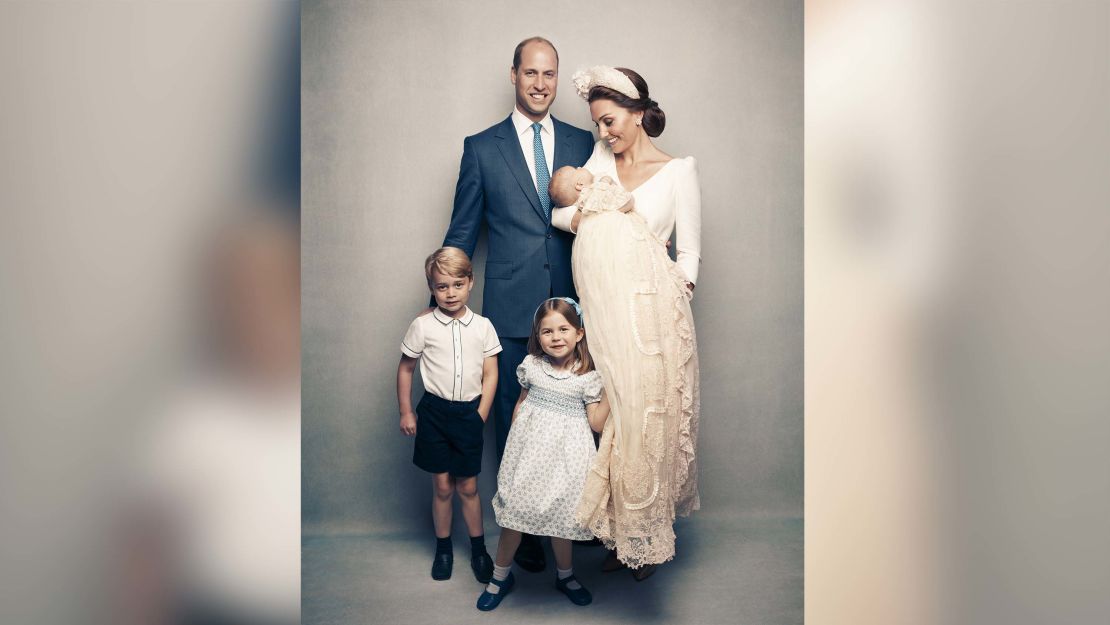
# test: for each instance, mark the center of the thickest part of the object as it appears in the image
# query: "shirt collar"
(523, 124)
(467, 317)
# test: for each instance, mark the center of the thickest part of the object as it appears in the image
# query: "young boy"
(457, 350)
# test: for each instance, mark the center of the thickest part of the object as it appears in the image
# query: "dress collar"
(545, 364)
(441, 317)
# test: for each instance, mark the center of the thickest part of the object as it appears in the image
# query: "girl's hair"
(559, 305)
(654, 118)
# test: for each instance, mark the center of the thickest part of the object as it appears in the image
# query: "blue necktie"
(543, 177)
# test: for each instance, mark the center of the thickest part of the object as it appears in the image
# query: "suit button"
(549, 235)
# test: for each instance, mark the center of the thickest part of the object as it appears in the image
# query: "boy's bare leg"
(467, 487)
(443, 486)
(506, 546)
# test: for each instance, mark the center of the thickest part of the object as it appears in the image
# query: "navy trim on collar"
(441, 317)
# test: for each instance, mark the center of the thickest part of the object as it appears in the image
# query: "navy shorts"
(448, 436)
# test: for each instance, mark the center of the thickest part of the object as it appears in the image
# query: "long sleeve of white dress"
(688, 218)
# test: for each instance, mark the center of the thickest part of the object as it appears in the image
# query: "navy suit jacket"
(528, 261)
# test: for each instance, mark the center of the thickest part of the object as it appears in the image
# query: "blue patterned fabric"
(543, 177)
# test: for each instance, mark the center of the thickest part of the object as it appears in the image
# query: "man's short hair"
(520, 47)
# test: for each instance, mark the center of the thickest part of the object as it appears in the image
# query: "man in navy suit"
(502, 183)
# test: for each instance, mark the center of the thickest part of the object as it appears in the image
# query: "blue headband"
(574, 304)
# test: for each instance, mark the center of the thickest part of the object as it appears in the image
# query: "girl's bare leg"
(506, 546)
(562, 548)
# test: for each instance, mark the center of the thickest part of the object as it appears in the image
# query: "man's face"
(536, 80)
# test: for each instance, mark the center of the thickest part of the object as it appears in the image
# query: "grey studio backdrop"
(389, 91)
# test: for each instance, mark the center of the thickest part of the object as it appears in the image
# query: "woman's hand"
(574, 221)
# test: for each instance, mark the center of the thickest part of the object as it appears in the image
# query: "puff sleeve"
(592, 387)
(522, 372)
(688, 220)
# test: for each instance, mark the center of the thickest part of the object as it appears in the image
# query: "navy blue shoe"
(577, 596)
(488, 601)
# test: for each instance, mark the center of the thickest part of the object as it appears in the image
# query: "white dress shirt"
(525, 134)
(451, 352)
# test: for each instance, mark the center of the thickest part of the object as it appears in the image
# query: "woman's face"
(615, 125)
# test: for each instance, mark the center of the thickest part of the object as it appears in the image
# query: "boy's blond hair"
(449, 261)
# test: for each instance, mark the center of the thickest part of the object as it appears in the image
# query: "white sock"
(574, 585)
(499, 574)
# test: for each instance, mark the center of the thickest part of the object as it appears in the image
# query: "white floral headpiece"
(604, 76)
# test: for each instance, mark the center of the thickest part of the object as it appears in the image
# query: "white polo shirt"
(451, 352)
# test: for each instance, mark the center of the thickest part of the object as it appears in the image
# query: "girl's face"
(558, 337)
(615, 125)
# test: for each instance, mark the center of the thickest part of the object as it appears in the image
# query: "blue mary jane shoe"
(577, 596)
(488, 601)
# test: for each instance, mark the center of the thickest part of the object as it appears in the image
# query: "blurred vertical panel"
(956, 353)
(875, 217)
(149, 177)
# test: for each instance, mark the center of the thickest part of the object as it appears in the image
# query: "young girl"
(549, 449)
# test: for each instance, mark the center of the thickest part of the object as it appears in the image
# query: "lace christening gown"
(641, 333)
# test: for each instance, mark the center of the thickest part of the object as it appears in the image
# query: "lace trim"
(637, 522)
(601, 196)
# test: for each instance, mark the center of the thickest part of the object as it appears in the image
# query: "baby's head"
(567, 184)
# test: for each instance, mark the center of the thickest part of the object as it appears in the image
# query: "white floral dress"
(548, 452)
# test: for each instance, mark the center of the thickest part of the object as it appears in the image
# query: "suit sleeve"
(466, 217)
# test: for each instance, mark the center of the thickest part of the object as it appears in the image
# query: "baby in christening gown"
(576, 186)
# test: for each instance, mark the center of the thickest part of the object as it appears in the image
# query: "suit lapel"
(562, 145)
(509, 145)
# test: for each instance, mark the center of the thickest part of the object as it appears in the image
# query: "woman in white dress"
(642, 333)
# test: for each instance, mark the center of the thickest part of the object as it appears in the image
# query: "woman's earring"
(638, 122)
